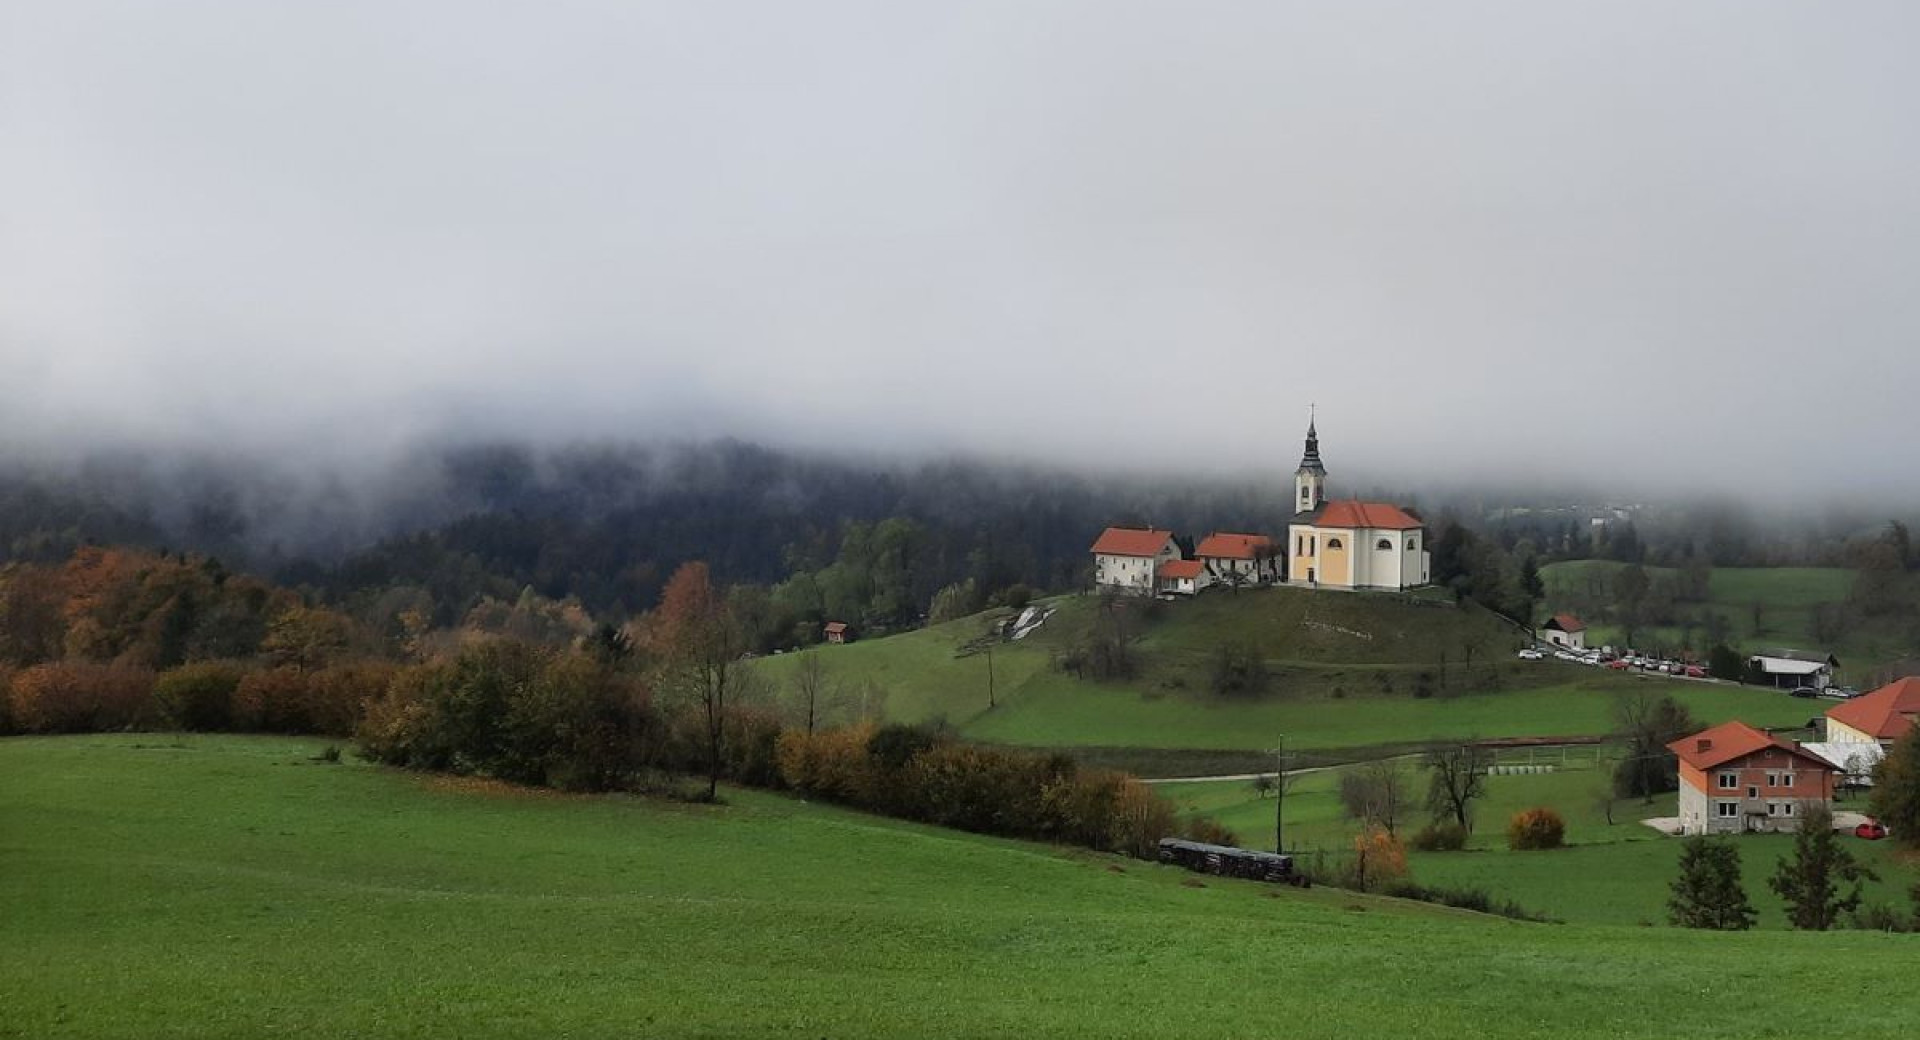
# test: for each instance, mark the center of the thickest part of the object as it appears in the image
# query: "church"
(1349, 544)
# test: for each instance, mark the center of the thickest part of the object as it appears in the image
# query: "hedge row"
(91, 697)
(912, 773)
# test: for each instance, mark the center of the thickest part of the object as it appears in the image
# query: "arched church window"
(1412, 544)
(1333, 543)
(1384, 544)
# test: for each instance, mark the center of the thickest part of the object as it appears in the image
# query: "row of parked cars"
(1616, 662)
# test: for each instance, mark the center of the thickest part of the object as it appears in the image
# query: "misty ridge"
(606, 522)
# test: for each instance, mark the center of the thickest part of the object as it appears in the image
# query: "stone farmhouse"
(1337, 544)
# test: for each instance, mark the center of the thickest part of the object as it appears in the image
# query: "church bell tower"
(1310, 480)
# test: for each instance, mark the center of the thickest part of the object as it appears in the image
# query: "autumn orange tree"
(698, 642)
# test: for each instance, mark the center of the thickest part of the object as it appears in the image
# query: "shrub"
(273, 700)
(830, 764)
(6, 700)
(1209, 830)
(1238, 668)
(81, 697)
(1536, 829)
(199, 696)
(1378, 860)
(1440, 837)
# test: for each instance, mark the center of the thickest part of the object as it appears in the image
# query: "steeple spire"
(1310, 480)
(1310, 462)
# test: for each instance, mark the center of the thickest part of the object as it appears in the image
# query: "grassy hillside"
(1614, 873)
(1787, 598)
(227, 887)
(1347, 673)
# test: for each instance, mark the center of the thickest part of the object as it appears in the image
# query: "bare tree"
(1376, 794)
(701, 644)
(1456, 775)
(810, 682)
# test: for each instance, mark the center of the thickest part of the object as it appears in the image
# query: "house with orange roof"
(1349, 543)
(1735, 779)
(1880, 717)
(1179, 577)
(1238, 559)
(1565, 630)
(1127, 560)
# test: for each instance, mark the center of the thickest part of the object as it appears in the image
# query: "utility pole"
(989, 678)
(1280, 796)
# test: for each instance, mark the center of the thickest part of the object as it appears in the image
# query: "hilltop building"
(1127, 560)
(1735, 779)
(1348, 543)
(1238, 559)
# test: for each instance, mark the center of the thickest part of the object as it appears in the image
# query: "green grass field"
(158, 886)
(1345, 667)
(1787, 597)
(1610, 874)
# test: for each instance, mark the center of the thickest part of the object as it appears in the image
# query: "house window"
(1726, 810)
(1773, 808)
(1384, 544)
(1333, 543)
(1729, 781)
(1786, 779)
(1786, 809)
(1773, 779)
(1753, 792)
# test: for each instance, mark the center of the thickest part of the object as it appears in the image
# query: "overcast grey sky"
(1667, 243)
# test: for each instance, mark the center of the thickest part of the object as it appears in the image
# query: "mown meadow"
(217, 886)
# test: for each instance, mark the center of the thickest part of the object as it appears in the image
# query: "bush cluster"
(516, 712)
(1446, 836)
(80, 697)
(914, 773)
(1536, 829)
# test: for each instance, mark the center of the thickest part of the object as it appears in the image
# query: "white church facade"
(1348, 543)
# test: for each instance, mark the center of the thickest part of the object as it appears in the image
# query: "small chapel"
(1346, 543)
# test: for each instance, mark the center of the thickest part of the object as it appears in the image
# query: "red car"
(1619, 665)
(1694, 671)
(1872, 830)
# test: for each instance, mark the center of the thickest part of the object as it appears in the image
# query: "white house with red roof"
(1734, 779)
(1349, 543)
(1565, 630)
(1128, 559)
(1180, 577)
(1238, 559)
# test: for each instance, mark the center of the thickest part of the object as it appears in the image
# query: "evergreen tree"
(1708, 894)
(1809, 881)
(1895, 800)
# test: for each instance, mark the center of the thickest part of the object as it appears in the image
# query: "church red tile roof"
(1730, 740)
(1356, 514)
(1566, 623)
(1885, 714)
(1180, 569)
(1224, 546)
(1131, 541)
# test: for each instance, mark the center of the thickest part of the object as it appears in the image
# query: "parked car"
(1872, 830)
(1805, 691)
(1694, 671)
(1619, 664)
(1530, 655)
